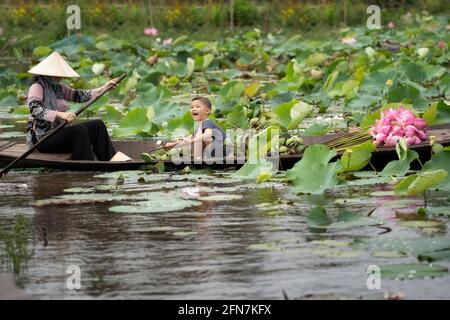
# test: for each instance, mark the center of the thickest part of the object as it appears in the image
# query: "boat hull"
(9, 150)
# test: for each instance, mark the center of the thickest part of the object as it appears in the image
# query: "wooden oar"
(60, 126)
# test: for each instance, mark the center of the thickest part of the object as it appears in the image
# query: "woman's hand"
(112, 82)
(68, 116)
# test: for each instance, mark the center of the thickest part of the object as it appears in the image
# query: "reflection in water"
(15, 247)
(200, 252)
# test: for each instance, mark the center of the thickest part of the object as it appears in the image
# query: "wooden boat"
(9, 150)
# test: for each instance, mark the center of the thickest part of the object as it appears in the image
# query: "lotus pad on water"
(166, 204)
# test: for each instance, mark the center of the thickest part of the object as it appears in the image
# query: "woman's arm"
(38, 111)
(78, 95)
(35, 104)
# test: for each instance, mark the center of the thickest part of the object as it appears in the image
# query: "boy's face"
(199, 111)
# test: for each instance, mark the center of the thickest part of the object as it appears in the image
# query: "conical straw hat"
(54, 65)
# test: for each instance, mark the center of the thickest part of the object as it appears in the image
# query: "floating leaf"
(412, 271)
(167, 204)
(318, 219)
(221, 197)
(389, 254)
(333, 253)
(270, 246)
(435, 255)
(132, 174)
(79, 198)
(331, 243)
(79, 190)
(11, 134)
(438, 211)
(414, 246)
(185, 233)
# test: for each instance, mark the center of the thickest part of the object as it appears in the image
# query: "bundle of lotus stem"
(350, 139)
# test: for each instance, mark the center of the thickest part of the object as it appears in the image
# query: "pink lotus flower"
(441, 44)
(391, 25)
(151, 32)
(394, 125)
(349, 40)
(412, 140)
(167, 42)
(398, 131)
(392, 140)
(420, 124)
(380, 138)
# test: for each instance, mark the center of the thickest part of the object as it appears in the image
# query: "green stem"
(348, 162)
(373, 168)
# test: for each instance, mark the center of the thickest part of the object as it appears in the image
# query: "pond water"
(210, 235)
(255, 245)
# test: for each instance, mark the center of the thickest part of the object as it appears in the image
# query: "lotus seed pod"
(316, 74)
(283, 149)
(254, 122)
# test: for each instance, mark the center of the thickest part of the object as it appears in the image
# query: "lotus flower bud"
(420, 123)
(410, 140)
(370, 52)
(421, 134)
(422, 52)
(398, 131)
(379, 138)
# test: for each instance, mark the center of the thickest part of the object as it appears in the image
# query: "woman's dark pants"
(80, 140)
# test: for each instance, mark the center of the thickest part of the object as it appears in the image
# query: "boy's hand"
(187, 140)
(170, 145)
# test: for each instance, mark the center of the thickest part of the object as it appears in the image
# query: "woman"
(47, 101)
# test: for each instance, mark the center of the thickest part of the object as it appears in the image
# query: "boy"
(208, 138)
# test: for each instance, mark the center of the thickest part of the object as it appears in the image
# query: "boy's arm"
(206, 136)
(178, 143)
(77, 95)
